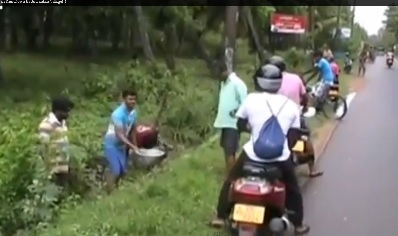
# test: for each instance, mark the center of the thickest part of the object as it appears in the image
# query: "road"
(358, 194)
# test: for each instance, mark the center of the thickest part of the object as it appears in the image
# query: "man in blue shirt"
(116, 141)
(326, 76)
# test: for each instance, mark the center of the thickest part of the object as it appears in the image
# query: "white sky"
(370, 17)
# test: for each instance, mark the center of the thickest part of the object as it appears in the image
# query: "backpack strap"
(280, 109)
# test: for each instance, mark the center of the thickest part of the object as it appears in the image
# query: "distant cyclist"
(323, 69)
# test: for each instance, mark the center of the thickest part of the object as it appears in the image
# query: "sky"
(370, 17)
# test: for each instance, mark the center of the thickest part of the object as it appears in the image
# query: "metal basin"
(145, 158)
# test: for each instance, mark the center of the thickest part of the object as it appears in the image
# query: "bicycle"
(336, 101)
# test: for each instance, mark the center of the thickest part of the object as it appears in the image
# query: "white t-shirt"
(254, 108)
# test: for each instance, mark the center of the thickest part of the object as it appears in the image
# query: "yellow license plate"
(299, 147)
(248, 213)
(333, 92)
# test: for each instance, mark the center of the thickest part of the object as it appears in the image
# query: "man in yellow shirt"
(53, 136)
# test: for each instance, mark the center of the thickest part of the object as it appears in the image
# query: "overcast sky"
(370, 17)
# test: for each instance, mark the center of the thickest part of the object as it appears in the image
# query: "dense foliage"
(170, 54)
(388, 35)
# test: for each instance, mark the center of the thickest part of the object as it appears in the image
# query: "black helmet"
(268, 78)
(278, 61)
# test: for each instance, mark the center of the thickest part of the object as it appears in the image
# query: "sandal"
(315, 174)
(217, 223)
(304, 229)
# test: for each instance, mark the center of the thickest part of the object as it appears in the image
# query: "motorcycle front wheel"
(340, 106)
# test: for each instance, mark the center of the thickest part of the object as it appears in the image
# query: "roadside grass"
(177, 199)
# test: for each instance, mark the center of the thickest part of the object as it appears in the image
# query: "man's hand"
(134, 148)
(232, 113)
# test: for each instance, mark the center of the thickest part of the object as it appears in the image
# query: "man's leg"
(229, 144)
(294, 199)
(223, 205)
(310, 150)
(113, 170)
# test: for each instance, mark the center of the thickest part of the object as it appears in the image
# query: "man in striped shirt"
(53, 136)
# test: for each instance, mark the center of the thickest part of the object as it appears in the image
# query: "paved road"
(358, 194)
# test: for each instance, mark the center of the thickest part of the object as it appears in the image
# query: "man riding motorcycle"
(390, 56)
(252, 115)
(293, 88)
(347, 63)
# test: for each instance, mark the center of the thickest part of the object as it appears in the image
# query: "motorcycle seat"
(262, 170)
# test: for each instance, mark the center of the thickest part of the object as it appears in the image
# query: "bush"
(27, 196)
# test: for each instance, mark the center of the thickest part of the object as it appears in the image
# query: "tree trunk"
(248, 18)
(48, 26)
(142, 28)
(311, 25)
(170, 46)
(231, 18)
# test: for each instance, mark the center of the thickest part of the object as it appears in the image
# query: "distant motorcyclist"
(390, 55)
(293, 88)
(252, 116)
(347, 63)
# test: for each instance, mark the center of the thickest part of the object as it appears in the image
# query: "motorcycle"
(389, 62)
(347, 66)
(259, 202)
(258, 197)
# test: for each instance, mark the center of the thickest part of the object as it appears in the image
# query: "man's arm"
(242, 114)
(296, 119)
(242, 92)
(120, 131)
(133, 130)
(303, 95)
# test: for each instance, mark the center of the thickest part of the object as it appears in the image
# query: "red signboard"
(288, 24)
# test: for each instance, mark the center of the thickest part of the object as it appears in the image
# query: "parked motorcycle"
(389, 62)
(347, 66)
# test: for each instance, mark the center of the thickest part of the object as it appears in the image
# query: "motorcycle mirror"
(310, 112)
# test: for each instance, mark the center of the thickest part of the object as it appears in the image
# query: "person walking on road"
(363, 56)
(232, 93)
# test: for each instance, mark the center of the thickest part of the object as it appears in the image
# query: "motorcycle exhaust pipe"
(280, 225)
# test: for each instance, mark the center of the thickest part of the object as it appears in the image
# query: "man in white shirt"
(257, 108)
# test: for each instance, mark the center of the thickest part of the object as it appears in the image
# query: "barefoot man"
(232, 93)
